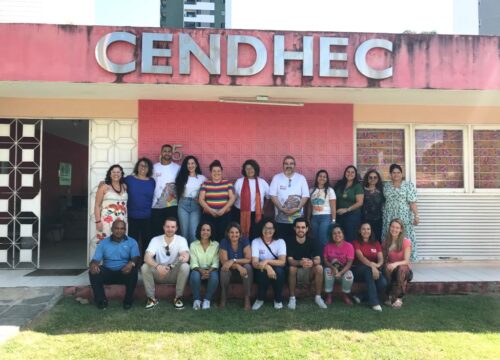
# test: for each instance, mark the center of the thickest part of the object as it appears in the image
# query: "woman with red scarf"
(251, 192)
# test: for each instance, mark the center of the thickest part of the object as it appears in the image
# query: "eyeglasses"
(167, 250)
(268, 228)
(289, 182)
(372, 177)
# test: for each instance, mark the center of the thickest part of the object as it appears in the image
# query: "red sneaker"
(346, 299)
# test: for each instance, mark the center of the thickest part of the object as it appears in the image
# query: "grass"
(428, 327)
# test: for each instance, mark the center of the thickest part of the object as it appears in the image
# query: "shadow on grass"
(472, 313)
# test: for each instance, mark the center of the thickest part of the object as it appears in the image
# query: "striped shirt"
(217, 194)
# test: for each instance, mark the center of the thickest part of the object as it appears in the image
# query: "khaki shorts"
(303, 276)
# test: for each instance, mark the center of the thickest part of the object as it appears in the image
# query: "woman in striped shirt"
(216, 198)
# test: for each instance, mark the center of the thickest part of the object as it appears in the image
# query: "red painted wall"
(34, 52)
(317, 135)
(73, 153)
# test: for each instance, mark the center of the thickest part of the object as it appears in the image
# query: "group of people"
(192, 228)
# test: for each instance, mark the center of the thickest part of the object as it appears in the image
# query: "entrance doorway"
(64, 194)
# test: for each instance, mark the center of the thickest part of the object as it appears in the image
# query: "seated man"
(120, 256)
(166, 261)
(304, 262)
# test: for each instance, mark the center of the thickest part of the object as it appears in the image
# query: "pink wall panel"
(317, 135)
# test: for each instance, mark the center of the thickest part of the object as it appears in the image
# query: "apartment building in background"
(195, 14)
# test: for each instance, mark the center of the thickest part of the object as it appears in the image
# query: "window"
(439, 158)
(487, 159)
(379, 148)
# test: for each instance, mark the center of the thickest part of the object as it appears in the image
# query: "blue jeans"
(195, 284)
(363, 273)
(319, 226)
(189, 213)
(350, 223)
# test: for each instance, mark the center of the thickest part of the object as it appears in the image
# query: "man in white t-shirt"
(289, 193)
(165, 196)
(166, 261)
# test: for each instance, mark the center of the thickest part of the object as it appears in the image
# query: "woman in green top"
(204, 263)
(350, 196)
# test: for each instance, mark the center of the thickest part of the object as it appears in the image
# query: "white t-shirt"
(260, 250)
(263, 189)
(321, 204)
(158, 244)
(193, 185)
(289, 192)
(164, 175)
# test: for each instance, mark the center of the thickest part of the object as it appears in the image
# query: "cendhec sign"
(212, 61)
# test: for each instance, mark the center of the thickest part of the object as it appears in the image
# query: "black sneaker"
(102, 305)
(178, 303)
(127, 305)
(151, 303)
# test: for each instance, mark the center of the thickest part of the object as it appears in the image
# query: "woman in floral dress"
(110, 202)
(401, 203)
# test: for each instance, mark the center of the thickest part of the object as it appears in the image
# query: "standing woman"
(268, 260)
(349, 202)
(235, 257)
(401, 203)
(251, 192)
(204, 263)
(397, 250)
(373, 202)
(368, 266)
(187, 184)
(140, 189)
(216, 198)
(322, 207)
(110, 202)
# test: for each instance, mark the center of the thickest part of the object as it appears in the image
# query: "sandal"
(397, 304)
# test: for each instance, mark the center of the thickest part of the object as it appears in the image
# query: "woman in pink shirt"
(397, 251)
(338, 255)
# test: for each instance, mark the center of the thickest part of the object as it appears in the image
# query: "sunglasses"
(372, 177)
(289, 182)
(167, 250)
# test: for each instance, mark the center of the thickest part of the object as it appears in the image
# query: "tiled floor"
(423, 272)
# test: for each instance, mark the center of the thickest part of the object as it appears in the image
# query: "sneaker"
(346, 299)
(388, 302)
(206, 304)
(377, 307)
(278, 305)
(292, 303)
(257, 304)
(356, 299)
(127, 305)
(178, 303)
(151, 303)
(196, 305)
(329, 299)
(319, 301)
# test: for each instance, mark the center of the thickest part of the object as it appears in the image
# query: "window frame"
(471, 155)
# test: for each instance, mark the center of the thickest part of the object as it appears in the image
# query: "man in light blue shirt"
(120, 257)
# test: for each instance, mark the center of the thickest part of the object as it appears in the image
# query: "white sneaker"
(319, 301)
(278, 305)
(292, 303)
(206, 304)
(257, 304)
(377, 307)
(196, 305)
(356, 299)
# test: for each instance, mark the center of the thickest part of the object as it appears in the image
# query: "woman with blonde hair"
(397, 252)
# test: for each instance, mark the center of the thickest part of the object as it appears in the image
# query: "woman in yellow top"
(204, 262)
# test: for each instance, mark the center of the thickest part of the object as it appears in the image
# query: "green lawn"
(428, 327)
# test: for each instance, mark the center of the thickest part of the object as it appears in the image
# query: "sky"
(393, 16)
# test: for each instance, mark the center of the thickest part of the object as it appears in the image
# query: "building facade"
(489, 17)
(194, 14)
(76, 99)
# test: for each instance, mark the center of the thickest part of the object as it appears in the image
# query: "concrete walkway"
(21, 305)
